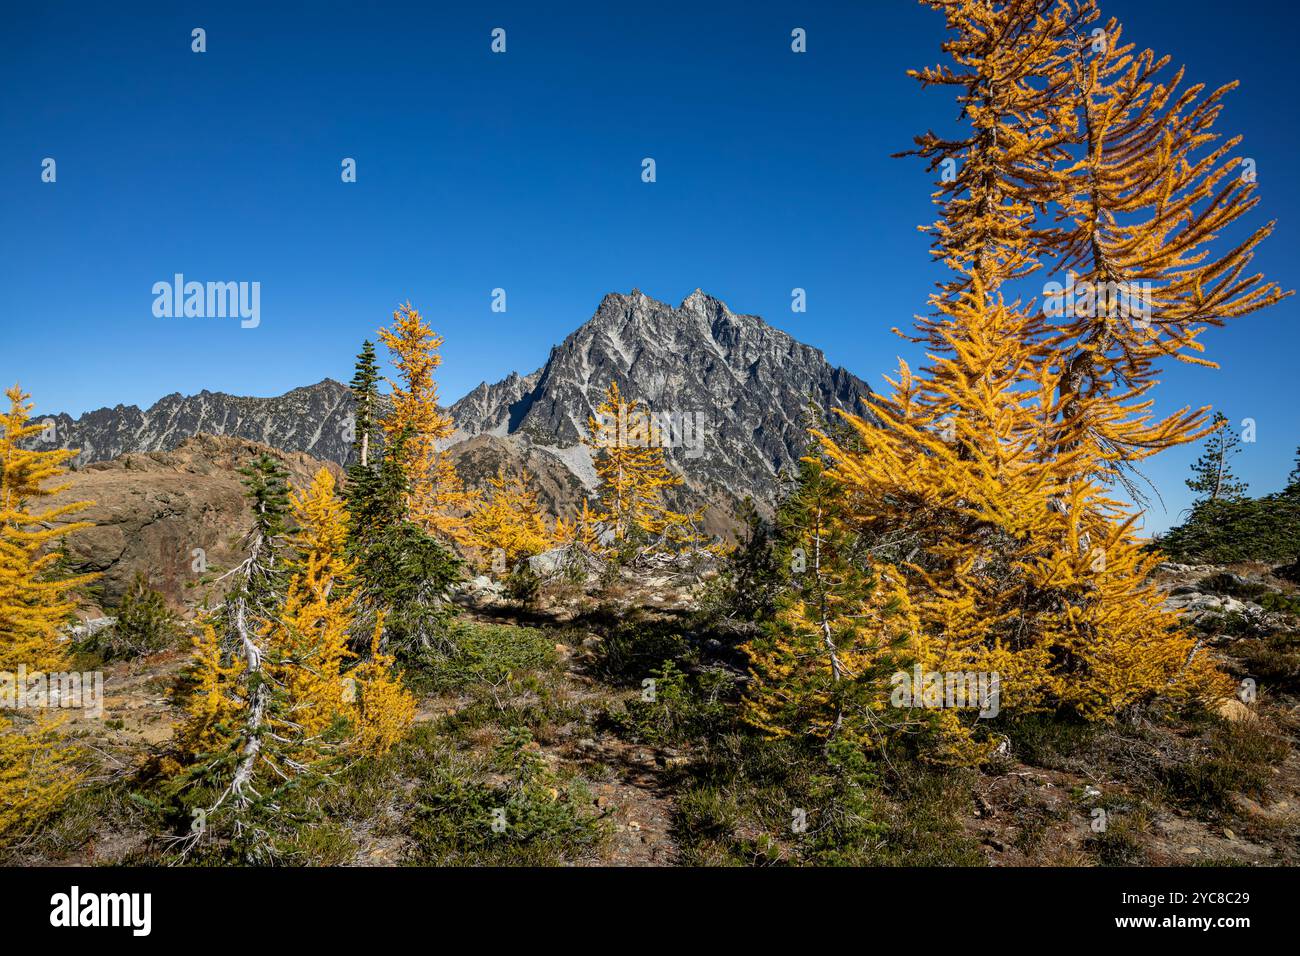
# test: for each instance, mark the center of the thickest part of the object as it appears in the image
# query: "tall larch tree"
(37, 768)
(995, 461)
(627, 451)
(437, 499)
(1010, 66)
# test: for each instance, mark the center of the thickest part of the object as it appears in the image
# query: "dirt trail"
(637, 804)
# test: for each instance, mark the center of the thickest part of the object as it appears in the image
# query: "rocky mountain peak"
(744, 382)
(734, 387)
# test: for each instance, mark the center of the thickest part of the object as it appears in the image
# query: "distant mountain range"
(740, 385)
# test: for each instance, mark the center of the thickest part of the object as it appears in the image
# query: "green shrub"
(1047, 740)
(1224, 532)
(523, 586)
(474, 653)
(530, 818)
(681, 706)
(1228, 584)
(1274, 661)
(1237, 758)
(636, 644)
(751, 800)
(144, 625)
(1279, 603)
(1120, 844)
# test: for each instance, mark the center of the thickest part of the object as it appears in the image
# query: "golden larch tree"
(384, 709)
(1014, 568)
(214, 707)
(627, 450)
(36, 766)
(34, 603)
(582, 531)
(993, 465)
(437, 499)
(509, 521)
(306, 644)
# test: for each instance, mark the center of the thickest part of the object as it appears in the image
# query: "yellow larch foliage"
(582, 531)
(1082, 156)
(627, 451)
(302, 650)
(33, 605)
(36, 765)
(509, 520)
(306, 644)
(385, 710)
(437, 498)
(37, 773)
(822, 668)
(1011, 63)
(995, 463)
(1022, 567)
(1153, 186)
(214, 705)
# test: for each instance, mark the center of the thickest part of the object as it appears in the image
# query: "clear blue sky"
(522, 171)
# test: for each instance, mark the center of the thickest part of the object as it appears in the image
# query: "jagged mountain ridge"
(311, 419)
(747, 384)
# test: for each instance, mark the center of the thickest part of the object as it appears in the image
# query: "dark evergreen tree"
(1292, 489)
(365, 392)
(1212, 478)
(820, 666)
(1229, 529)
(255, 592)
(363, 474)
(259, 578)
(752, 576)
(144, 625)
(403, 571)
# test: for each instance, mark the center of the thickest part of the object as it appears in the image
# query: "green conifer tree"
(403, 571)
(1212, 478)
(821, 668)
(365, 392)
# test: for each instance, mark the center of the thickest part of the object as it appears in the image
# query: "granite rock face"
(735, 387)
(168, 514)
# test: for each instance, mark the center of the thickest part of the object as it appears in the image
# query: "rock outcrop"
(166, 513)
